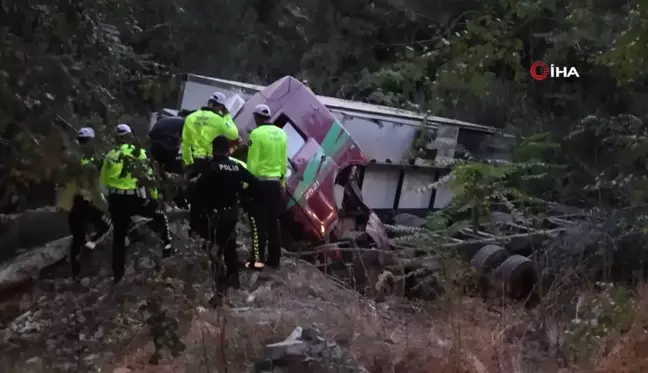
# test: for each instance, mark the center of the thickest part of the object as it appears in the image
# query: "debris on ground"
(306, 349)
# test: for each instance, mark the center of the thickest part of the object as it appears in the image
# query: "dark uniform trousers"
(82, 213)
(122, 208)
(247, 204)
(266, 210)
(197, 215)
(222, 232)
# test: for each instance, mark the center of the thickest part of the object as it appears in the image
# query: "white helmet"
(123, 129)
(218, 97)
(263, 110)
(86, 133)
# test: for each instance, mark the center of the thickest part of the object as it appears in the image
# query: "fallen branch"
(27, 266)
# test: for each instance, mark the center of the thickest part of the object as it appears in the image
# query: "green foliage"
(164, 331)
(480, 187)
(536, 148)
(547, 172)
(477, 186)
(608, 160)
(612, 309)
(627, 56)
(62, 63)
(87, 62)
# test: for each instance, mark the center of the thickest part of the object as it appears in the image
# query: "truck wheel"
(519, 276)
(488, 258)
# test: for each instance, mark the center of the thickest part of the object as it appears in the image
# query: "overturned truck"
(327, 217)
(323, 200)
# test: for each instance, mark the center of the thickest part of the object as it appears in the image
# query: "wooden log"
(31, 229)
(27, 265)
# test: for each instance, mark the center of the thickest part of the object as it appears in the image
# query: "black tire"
(488, 258)
(519, 274)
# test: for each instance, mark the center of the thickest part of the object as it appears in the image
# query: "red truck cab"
(320, 149)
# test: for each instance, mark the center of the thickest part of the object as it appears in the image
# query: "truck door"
(311, 177)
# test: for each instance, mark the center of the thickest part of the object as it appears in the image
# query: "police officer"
(124, 172)
(227, 177)
(222, 110)
(268, 160)
(83, 200)
(200, 129)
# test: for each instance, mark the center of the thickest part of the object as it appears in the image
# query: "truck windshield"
(295, 139)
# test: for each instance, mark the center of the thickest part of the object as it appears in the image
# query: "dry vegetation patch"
(456, 334)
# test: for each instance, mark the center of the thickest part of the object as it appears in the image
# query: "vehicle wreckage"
(351, 164)
(328, 218)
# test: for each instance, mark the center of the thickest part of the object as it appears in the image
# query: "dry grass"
(600, 330)
(458, 335)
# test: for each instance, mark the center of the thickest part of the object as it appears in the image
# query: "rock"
(310, 334)
(281, 350)
(297, 334)
(35, 361)
(22, 318)
(68, 367)
(306, 345)
(99, 333)
(30, 327)
(91, 358)
(85, 282)
(146, 263)
(332, 351)
(122, 370)
(263, 366)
